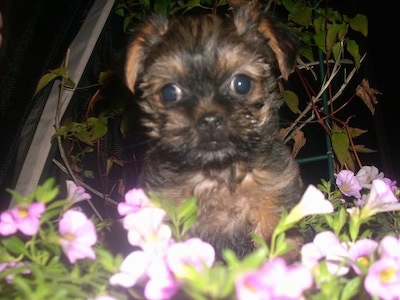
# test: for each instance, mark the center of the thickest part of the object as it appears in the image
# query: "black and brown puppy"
(208, 90)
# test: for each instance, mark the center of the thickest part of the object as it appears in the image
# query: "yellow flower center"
(388, 275)
(23, 212)
(363, 260)
(69, 236)
(152, 238)
(250, 287)
(345, 187)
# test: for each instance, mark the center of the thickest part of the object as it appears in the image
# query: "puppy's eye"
(241, 84)
(171, 92)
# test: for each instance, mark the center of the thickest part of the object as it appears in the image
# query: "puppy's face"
(208, 84)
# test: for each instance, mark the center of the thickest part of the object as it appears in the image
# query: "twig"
(317, 97)
(68, 169)
(86, 186)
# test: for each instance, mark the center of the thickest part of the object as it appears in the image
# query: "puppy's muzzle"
(211, 128)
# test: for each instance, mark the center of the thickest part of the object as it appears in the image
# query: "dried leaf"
(363, 149)
(367, 94)
(299, 142)
(356, 132)
(110, 162)
(121, 187)
(298, 138)
(282, 132)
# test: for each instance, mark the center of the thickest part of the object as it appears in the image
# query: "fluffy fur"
(208, 91)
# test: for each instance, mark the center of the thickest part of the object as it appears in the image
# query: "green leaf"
(49, 77)
(15, 245)
(292, 101)
(319, 39)
(301, 14)
(100, 129)
(47, 191)
(331, 35)
(288, 4)
(187, 208)
(69, 83)
(19, 198)
(354, 50)
(105, 76)
(351, 288)
(84, 136)
(341, 144)
(359, 23)
(319, 24)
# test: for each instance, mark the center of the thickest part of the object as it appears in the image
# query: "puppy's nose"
(211, 122)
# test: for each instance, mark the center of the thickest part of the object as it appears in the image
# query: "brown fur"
(214, 141)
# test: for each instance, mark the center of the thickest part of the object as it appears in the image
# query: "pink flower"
(146, 230)
(78, 235)
(383, 279)
(162, 283)
(192, 252)
(326, 246)
(360, 254)
(381, 198)
(272, 281)
(390, 247)
(22, 218)
(135, 200)
(132, 269)
(368, 173)
(76, 193)
(348, 184)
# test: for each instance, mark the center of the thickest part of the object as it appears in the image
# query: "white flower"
(368, 173)
(311, 203)
(326, 246)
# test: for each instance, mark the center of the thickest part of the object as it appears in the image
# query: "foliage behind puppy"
(208, 90)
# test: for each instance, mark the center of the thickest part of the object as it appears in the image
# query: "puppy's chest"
(225, 194)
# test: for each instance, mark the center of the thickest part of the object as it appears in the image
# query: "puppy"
(208, 91)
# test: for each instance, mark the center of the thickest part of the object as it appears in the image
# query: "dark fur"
(213, 142)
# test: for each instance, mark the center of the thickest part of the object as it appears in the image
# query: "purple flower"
(12, 265)
(326, 246)
(360, 254)
(76, 193)
(272, 281)
(78, 235)
(132, 269)
(22, 218)
(348, 184)
(391, 183)
(146, 230)
(368, 173)
(192, 252)
(383, 279)
(135, 200)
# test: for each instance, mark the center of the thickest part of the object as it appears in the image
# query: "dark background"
(37, 33)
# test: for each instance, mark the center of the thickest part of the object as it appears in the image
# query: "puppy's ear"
(148, 35)
(282, 41)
